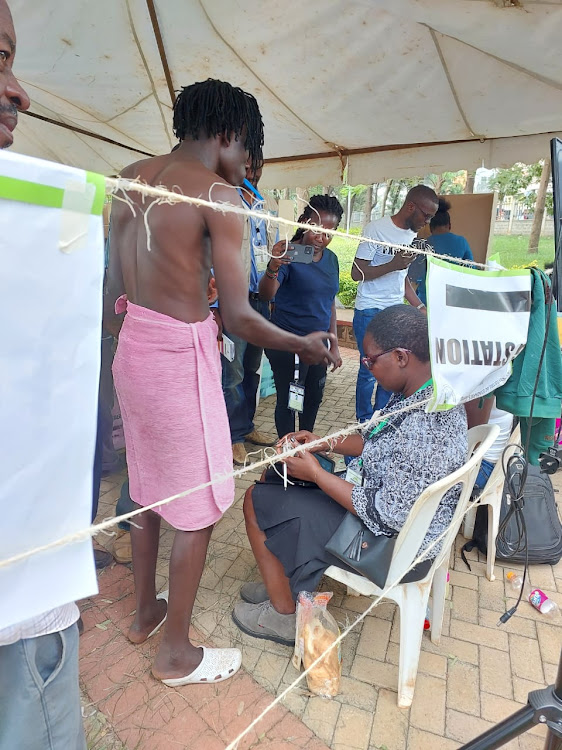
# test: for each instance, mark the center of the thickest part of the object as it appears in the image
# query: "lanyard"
(381, 425)
(297, 368)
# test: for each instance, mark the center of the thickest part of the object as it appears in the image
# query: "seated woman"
(305, 296)
(399, 457)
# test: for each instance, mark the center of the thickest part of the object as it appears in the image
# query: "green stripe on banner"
(99, 181)
(23, 191)
(478, 271)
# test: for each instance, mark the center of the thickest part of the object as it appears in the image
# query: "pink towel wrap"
(168, 380)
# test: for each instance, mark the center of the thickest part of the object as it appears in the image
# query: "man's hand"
(218, 321)
(402, 260)
(312, 349)
(279, 253)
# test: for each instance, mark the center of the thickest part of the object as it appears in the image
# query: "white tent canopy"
(399, 88)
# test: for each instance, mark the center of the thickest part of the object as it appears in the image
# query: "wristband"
(419, 307)
(269, 273)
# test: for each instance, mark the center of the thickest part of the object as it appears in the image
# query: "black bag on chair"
(369, 554)
(544, 531)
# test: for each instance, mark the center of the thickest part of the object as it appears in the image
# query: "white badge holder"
(296, 391)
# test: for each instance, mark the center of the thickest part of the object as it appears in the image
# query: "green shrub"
(348, 289)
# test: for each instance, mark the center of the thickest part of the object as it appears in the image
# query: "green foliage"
(348, 289)
(515, 180)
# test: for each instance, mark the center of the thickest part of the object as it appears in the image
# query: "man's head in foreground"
(12, 95)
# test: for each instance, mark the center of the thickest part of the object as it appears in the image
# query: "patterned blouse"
(410, 452)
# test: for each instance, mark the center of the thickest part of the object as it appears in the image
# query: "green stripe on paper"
(23, 191)
(99, 181)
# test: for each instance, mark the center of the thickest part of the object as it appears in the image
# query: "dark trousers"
(240, 380)
(313, 377)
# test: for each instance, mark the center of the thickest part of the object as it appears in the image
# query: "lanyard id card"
(354, 476)
(296, 390)
(296, 397)
(227, 348)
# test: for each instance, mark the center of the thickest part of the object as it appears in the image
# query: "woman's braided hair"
(326, 203)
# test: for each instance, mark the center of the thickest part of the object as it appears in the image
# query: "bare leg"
(145, 554)
(177, 656)
(273, 575)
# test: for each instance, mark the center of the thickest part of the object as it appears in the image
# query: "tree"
(445, 183)
(515, 180)
(469, 184)
(539, 208)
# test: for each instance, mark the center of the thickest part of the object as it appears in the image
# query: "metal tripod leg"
(543, 707)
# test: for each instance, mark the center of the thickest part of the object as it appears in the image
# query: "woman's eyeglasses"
(369, 362)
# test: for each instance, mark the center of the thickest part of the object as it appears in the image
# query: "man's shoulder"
(375, 227)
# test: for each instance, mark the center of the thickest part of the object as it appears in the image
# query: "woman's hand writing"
(303, 466)
(302, 438)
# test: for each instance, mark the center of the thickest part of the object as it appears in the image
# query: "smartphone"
(326, 463)
(300, 253)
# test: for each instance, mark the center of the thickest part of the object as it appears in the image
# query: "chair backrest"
(496, 480)
(420, 517)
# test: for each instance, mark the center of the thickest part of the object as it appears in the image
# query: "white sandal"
(217, 664)
(162, 595)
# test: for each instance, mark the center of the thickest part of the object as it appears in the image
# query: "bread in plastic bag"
(316, 631)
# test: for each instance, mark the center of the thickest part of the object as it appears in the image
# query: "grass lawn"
(512, 251)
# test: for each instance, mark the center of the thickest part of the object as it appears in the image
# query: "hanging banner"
(478, 322)
(51, 254)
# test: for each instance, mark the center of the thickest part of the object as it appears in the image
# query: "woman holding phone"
(305, 295)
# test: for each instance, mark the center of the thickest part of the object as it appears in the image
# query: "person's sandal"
(217, 665)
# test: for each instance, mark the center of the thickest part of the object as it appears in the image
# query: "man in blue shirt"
(240, 378)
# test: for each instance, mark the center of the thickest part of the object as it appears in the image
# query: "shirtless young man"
(167, 369)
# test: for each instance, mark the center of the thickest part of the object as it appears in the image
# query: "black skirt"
(298, 523)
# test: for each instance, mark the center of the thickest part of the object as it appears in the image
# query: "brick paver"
(474, 678)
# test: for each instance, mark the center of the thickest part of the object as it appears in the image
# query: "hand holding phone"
(300, 253)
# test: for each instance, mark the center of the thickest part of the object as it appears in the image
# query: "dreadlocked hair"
(326, 203)
(210, 108)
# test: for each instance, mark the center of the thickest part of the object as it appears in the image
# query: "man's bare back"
(170, 273)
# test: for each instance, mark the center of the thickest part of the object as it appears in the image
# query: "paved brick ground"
(478, 675)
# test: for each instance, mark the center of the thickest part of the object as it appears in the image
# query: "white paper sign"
(51, 256)
(478, 322)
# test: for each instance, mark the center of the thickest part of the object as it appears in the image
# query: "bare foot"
(172, 664)
(142, 627)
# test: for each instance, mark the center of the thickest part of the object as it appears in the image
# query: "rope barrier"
(90, 531)
(116, 185)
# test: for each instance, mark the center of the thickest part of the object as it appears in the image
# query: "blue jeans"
(486, 468)
(365, 381)
(240, 380)
(39, 693)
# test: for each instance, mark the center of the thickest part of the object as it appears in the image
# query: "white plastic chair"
(491, 496)
(412, 598)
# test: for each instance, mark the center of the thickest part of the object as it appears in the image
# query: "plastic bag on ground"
(316, 631)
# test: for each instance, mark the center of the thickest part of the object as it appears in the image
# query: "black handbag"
(365, 552)
(369, 554)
